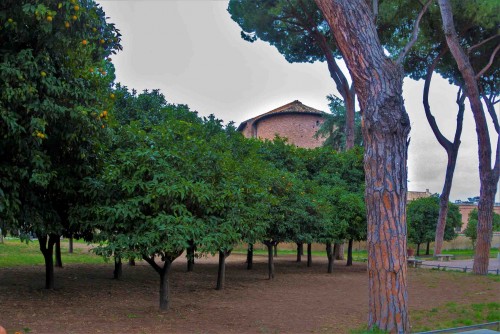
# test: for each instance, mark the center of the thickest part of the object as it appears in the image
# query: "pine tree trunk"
(451, 151)
(349, 253)
(270, 259)
(221, 274)
(117, 273)
(250, 257)
(58, 262)
(47, 249)
(300, 248)
(309, 255)
(330, 256)
(70, 246)
(378, 82)
(488, 177)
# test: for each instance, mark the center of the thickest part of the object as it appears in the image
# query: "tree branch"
(482, 43)
(414, 37)
(425, 100)
(490, 106)
(151, 261)
(492, 57)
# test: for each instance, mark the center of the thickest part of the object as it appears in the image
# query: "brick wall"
(299, 128)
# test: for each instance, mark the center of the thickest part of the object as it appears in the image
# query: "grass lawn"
(13, 253)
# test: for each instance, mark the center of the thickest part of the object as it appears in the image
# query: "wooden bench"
(443, 257)
(413, 262)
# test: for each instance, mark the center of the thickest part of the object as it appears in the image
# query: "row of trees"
(170, 181)
(362, 32)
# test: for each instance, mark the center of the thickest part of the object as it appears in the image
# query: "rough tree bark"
(58, 262)
(349, 253)
(309, 255)
(250, 257)
(117, 273)
(329, 255)
(450, 147)
(221, 274)
(488, 176)
(47, 248)
(378, 82)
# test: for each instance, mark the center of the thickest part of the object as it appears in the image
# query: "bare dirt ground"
(298, 300)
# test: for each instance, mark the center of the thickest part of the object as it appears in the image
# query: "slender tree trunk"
(309, 255)
(275, 247)
(164, 287)
(117, 273)
(163, 272)
(348, 93)
(349, 253)
(190, 255)
(488, 177)
(131, 261)
(70, 245)
(221, 275)
(270, 259)
(427, 249)
(250, 257)
(451, 150)
(300, 248)
(58, 261)
(378, 82)
(418, 249)
(330, 256)
(47, 249)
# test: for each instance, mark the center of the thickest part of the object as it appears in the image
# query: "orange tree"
(55, 78)
(171, 180)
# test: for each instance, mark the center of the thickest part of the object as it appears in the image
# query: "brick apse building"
(294, 121)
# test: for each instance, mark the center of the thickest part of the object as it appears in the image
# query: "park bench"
(443, 257)
(414, 262)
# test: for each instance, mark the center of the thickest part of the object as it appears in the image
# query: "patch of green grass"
(16, 253)
(364, 330)
(452, 315)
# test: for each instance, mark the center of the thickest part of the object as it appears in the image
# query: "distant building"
(294, 121)
(466, 208)
(413, 195)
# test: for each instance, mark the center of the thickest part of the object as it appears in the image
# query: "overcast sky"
(192, 51)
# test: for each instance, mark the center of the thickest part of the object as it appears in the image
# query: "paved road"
(461, 264)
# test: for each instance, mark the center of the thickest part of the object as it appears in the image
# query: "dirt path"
(299, 300)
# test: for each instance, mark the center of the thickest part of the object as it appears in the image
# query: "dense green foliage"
(422, 216)
(55, 79)
(471, 229)
(333, 126)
